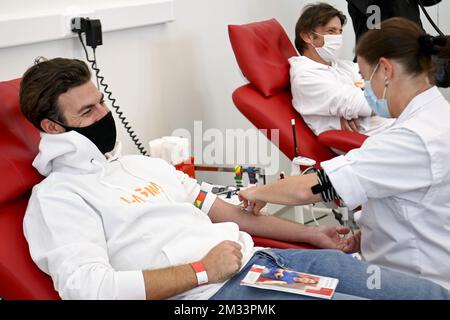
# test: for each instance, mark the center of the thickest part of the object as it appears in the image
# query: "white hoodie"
(94, 224)
(323, 94)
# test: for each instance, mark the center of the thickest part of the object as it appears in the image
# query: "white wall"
(20, 7)
(164, 76)
(167, 76)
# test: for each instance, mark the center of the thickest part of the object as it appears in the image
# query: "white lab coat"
(401, 177)
(323, 94)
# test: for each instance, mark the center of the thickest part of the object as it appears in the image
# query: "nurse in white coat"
(400, 177)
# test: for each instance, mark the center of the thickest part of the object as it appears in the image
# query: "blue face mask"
(379, 106)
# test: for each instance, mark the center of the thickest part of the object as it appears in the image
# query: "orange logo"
(151, 189)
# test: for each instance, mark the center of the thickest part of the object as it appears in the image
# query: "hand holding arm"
(350, 125)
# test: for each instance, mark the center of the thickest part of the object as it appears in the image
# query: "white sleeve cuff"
(191, 187)
(131, 285)
(365, 111)
(345, 181)
(209, 201)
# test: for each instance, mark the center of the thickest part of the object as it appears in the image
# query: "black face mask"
(102, 133)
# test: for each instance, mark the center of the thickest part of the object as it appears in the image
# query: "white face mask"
(331, 47)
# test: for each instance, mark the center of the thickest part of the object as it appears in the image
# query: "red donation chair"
(20, 278)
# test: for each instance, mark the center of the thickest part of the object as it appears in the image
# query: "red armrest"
(342, 140)
(263, 242)
(187, 167)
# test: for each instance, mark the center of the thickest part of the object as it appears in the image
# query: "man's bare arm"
(221, 262)
(168, 282)
(263, 226)
(280, 229)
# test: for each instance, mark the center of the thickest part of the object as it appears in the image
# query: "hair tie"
(427, 44)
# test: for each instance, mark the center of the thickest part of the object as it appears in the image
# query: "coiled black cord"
(100, 80)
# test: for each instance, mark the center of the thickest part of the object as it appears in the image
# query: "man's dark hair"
(313, 16)
(44, 82)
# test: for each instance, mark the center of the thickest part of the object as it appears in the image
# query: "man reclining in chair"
(326, 90)
(106, 226)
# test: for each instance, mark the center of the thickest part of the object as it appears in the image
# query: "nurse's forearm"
(294, 190)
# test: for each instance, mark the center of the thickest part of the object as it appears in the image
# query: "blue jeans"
(353, 278)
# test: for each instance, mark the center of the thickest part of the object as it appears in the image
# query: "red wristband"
(200, 272)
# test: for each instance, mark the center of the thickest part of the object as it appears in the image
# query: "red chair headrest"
(262, 50)
(19, 141)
